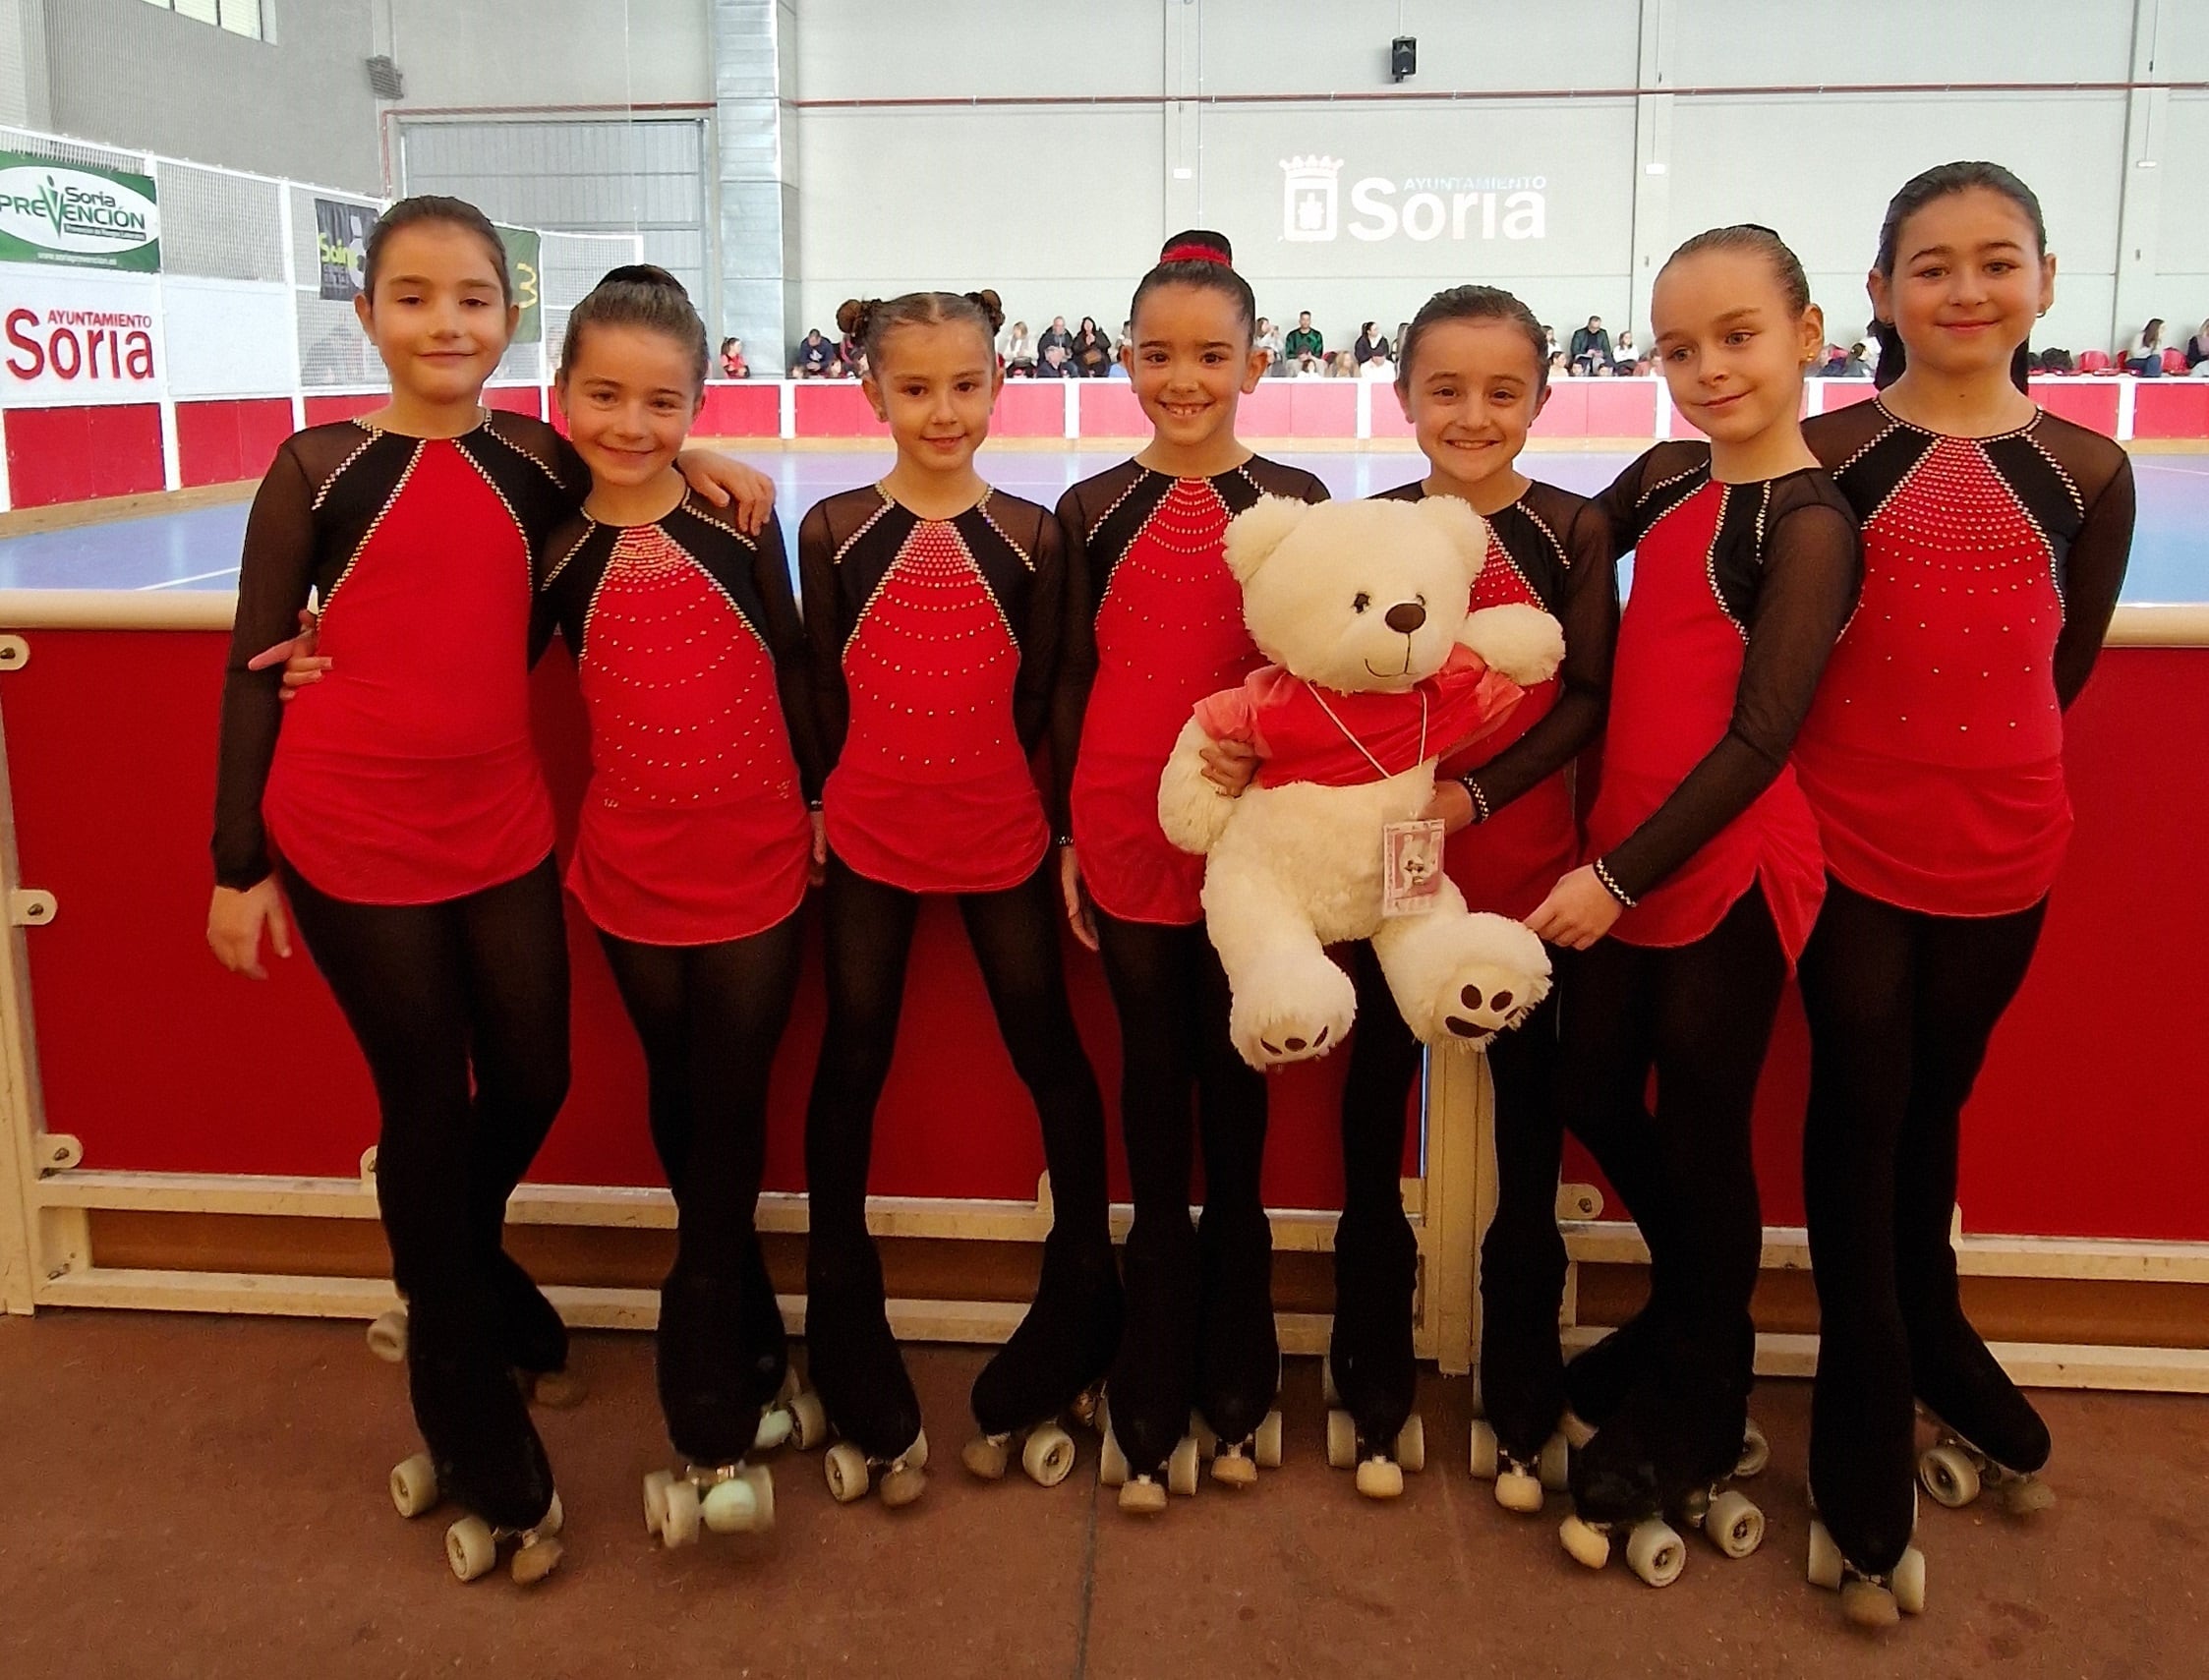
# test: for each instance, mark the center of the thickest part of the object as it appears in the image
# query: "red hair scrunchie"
(1195, 254)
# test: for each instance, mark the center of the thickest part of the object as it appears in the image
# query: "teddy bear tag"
(1411, 867)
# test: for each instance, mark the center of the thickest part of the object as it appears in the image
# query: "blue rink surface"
(198, 550)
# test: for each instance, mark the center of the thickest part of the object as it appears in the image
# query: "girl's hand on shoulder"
(302, 665)
(235, 919)
(725, 482)
(1451, 807)
(817, 871)
(1078, 915)
(1578, 912)
(1230, 765)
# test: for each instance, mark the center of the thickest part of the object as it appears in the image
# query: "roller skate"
(472, 1416)
(790, 1414)
(1520, 1481)
(1052, 1367)
(860, 1377)
(728, 1498)
(1598, 1378)
(711, 1395)
(1518, 1444)
(1238, 1353)
(1148, 1426)
(1371, 1376)
(530, 1326)
(1990, 1439)
(1869, 1599)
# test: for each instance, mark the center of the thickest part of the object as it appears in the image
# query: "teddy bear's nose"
(1406, 616)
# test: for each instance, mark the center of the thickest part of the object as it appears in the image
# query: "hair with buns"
(638, 294)
(425, 209)
(867, 322)
(1198, 257)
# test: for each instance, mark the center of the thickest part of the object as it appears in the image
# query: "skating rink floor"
(201, 1496)
(199, 548)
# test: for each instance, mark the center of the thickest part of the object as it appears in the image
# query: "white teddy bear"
(1379, 668)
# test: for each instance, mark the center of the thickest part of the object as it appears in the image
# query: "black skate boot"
(1150, 1448)
(1238, 1353)
(529, 1327)
(482, 1453)
(1991, 1439)
(1054, 1362)
(860, 1373)
(707, 1394)
(790, 1411)
(1519, 1444)
(1371, 1377)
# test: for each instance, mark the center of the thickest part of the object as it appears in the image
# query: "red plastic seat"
(2174, 362)
(2093, 361)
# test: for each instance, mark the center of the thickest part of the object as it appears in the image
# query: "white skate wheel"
(915, 1457)
(1181, 1466)
(1909, 1582)
(1142, 1497)
(1266, 1446)
(1519, 1492)
(387, 1336)
(986, 1456)
(471, 1549)
(1825, 1559)
(1656, 1553)
(656, 1484)
(2026, 1495)
(1112, 1462)
(1756, 1452)
(1950, 1475)
(845, 1467)
(1233, 1469)
(535, 1560)
(1588, 1547)
(414, 1485)
(1378, 1478)
(1329, 1395)
(730, 1507)
(1733, 1525)
(903, 1483)
(1342, 1441)
(774, 1430)
(1868, 1604)
(1411, 1444)
(1048, 1456)
(1485, 1452)
(809, 1422)
(678, 1527)
(554, 1519)
(1555, 1465)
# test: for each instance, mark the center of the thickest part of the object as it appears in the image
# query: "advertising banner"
(77, 216)
(79, 338)
(523, 248)
(341, 233)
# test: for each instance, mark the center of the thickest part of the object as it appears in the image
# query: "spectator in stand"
(733, 363)
(1556, 351)
(1268, 338)
(1306, 350)
(1367, 346)
(1559, 367)
(1857, 365)
(2197, 349)
(1055, 334)
(1872, 347)
(1125, 344)
(1092, 349)
(2143, 357)
(1019, 351)
(1342, 366)
(1382, 364)
(1830, 362)
(1623, 352)
(1057, 363)
(814, 357)
(1589, 345)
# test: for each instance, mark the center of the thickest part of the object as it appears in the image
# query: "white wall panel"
(1823, 43)
(870, 49)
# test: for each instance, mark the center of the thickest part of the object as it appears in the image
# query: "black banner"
(341, 233)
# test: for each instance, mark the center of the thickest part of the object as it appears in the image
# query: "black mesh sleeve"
(275, 575)
(1813, 569)
(2093, 574)
(1036, 701)
(831, 700)
(1077, 657)
(1589, 613)
(788, 643)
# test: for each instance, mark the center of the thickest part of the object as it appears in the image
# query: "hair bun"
(987, 301)
(1198, 245)
(853, 315)
(642, 275)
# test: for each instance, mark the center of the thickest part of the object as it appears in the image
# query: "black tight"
(1701, 1015)
(461, 1010)
(710, 1017)
(1200, 1303)
(1901, 1006)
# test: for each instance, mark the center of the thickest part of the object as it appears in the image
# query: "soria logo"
(72, 212)
(1419, 208)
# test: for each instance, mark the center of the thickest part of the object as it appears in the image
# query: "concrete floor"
(204, 1498)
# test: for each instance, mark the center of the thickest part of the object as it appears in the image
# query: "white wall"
(508, 53)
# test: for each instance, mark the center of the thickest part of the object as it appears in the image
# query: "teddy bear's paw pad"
(1484, 999)
(1277, 1039)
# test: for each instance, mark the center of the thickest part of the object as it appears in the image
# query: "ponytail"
(1917, 193)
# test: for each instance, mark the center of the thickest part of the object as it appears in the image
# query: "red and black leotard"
(412, 779)
(1156, 626)
(1739, 592)
(935, 648)
(1551, 549)
(691, 659)
(1934, 757)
